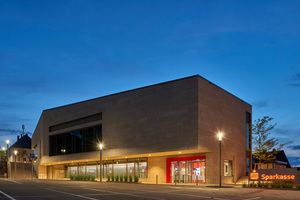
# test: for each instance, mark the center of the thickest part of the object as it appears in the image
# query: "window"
(36, 151)
(83, 140)
(24, 159)
(248, 140)
(135, 167)
(119, 167)
(143, 168)
(91, 169)
(248, 123)
(227, 167)
(186, 169)
(130, 167)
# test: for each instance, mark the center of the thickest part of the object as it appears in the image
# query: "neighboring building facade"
(23, 148)
(280, 161)
(19, 164)
(168, 130)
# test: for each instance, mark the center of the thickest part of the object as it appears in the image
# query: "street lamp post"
(7, 142)
(101, 148)
(7, 156)
(15, 163)
(220, 173)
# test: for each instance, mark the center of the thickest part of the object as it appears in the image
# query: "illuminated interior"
(186, 169)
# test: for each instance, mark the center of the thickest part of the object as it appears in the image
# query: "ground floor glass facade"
(186, 169)
(127, 167)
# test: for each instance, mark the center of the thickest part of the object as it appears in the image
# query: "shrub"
(136, 179)
(244, 185)
(82, 177)
(259, 184)
(121, 178)
(125, 178)
(254, 185)
(91, 178)
(251, 184)
(108, 178)
(299, 186)
(130, 178)
(283, 185)
(287, 185)
(275, 185)
(265, 185)
(117, 178)
(112, 178)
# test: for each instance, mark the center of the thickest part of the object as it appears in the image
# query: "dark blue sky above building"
(54, 53)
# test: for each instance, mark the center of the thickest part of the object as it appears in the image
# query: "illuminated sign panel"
(289, 174)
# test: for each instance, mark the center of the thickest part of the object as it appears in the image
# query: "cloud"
(13, 132)
(296, 166)
(297, 85)
(297, 77)
(22, 86)
(289, 142)
(295, 81)
(295, 147)
(260, 104)
(283, 132)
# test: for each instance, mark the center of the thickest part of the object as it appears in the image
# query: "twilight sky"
(54, 53)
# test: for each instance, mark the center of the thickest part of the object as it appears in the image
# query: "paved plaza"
(55, 189)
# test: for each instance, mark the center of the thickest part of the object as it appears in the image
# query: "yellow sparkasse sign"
(254, 175)
(288, 174)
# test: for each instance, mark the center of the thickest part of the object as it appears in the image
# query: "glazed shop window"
(227, 167)
(143, 168)
(82, 140)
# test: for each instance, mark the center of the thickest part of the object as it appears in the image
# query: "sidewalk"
(194, 184)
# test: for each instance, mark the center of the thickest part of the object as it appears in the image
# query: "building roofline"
(224, 90)
(148, 86)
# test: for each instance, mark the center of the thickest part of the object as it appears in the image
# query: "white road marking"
(197, 196)
(198, 188)
(7, 195)
(252, 198)
(13, 181)
(133, 195)
(76, 195)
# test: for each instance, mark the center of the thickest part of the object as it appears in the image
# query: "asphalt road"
(65, 190)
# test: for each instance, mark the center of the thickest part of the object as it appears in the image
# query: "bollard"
(156, 179)
(196, 180)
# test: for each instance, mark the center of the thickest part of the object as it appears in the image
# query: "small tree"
(2, 153)
(263, 145)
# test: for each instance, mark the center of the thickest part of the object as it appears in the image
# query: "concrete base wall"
(58, 172)
(42, 172)
(3, 170)
(52, 172)
(20, 171)
(156, 166)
